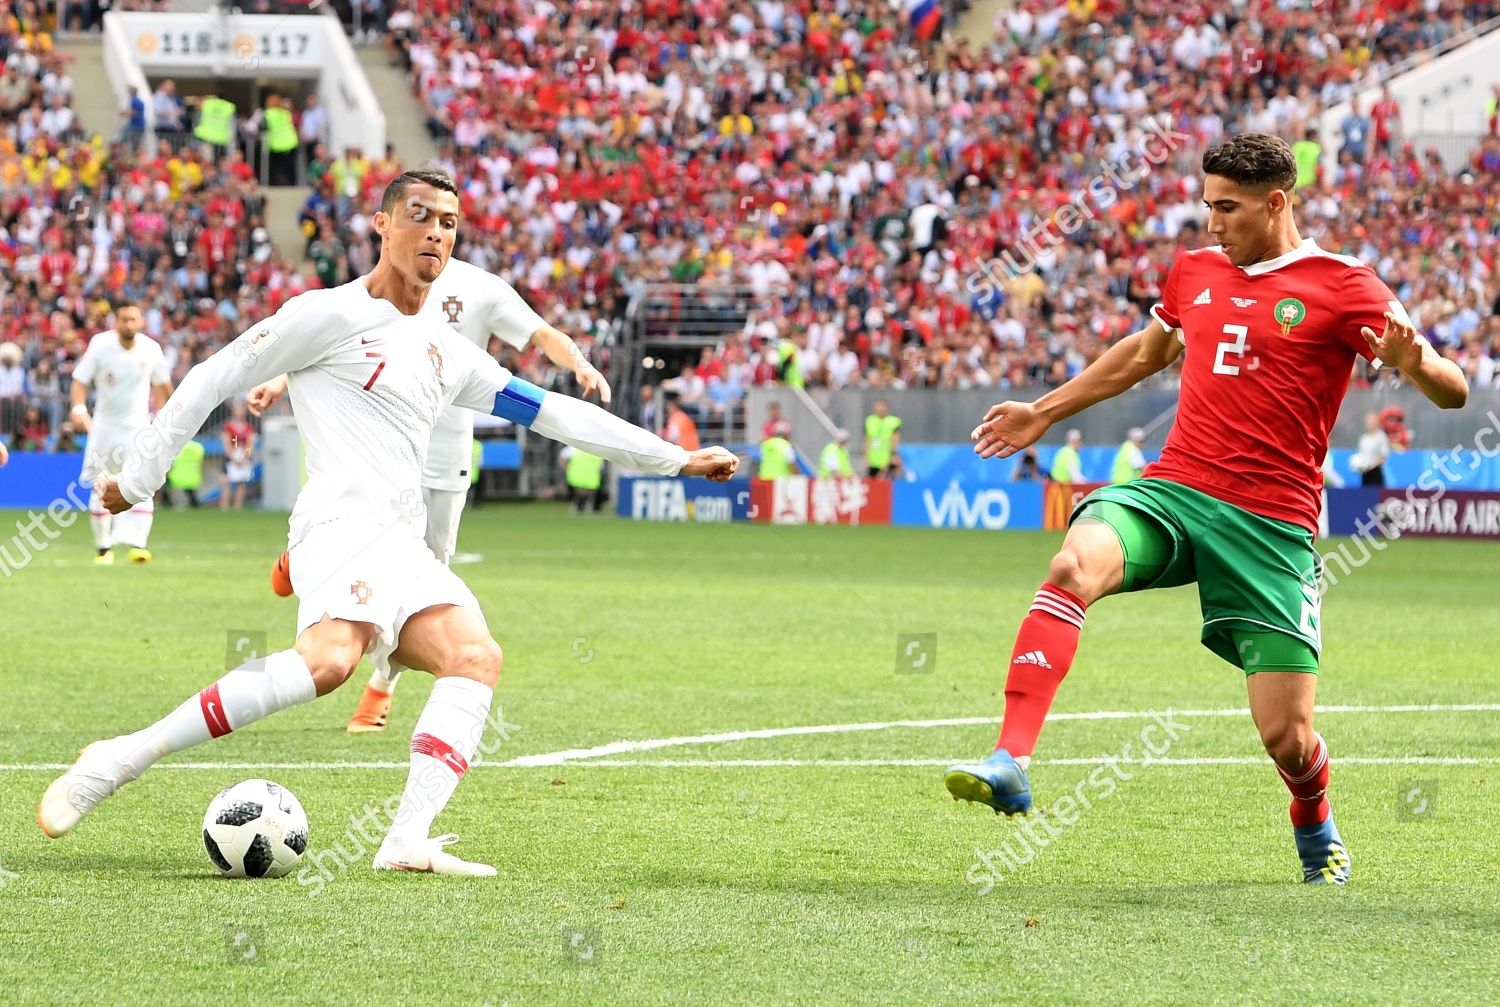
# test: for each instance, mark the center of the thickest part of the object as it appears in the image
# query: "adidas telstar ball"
(255, 829)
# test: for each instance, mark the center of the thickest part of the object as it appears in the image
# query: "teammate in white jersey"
(369, 377)
(129, 376)
(481, 307)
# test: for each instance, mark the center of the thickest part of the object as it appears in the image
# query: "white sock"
(254, 690)
(100, 520)
(1024, 761)
(134, 526)
(445, 739)
(386, 675)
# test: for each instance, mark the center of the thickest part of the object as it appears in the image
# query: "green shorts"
(1257, 577)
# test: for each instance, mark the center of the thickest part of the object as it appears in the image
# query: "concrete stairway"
(403, 113)
(94, 100)
(283, 203)
(978, 22)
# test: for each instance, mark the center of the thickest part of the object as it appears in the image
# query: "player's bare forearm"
(266, 394)
(1123, 366)
(1011, 426)
(1440, 379)
(563, 352)
(1399, 345)
(79, 414)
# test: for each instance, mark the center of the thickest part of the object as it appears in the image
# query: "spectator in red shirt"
(216, 245)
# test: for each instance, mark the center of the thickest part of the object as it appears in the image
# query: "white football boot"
(402, 853)
(75, 793)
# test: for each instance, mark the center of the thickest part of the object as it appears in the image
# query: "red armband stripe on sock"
(213, 712)
(428, 744)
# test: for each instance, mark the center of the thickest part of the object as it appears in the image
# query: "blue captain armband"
(518, 402)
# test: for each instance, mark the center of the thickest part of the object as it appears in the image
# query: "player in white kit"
(369, 377)
(129, 376)
(480, 306)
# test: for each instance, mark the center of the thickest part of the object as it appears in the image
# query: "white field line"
(626, 747)
(1228, 760)
(596, 756)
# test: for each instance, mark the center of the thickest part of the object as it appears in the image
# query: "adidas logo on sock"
(1035, 657)
(1204, 298)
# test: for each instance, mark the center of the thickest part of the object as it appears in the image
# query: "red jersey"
(240, 434)
(1268, 353)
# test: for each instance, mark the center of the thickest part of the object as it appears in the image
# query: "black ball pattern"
(297, 841)
(240, 814)
(214, 854)
(259, 858)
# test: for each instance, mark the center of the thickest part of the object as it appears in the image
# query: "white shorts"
(105, 454)
(361, 572)
(444, 510)
(239, 472)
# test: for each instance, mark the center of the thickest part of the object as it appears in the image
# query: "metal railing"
(666, 317)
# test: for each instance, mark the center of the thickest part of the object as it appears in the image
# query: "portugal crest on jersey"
(454, 308)
(435, 356)
(1289, 312)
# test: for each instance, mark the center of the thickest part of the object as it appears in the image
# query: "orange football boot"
(374, 707)
(281, 576)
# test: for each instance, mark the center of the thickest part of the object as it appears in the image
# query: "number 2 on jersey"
(378, 367)
(1236, 345)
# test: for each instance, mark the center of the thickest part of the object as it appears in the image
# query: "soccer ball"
(255, 829)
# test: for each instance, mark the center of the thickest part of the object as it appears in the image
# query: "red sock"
(1044, 651)
(1309, 803)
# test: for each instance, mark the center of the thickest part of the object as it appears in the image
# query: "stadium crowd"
(856, 178)
(872, 187)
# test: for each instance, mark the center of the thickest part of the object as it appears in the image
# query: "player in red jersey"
(1270, 325)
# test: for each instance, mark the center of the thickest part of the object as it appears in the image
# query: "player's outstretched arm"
(485, 386)
(590, 428)
(290, 340)
(1399, 346)
(1011, 426)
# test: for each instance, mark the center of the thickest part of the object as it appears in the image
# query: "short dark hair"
(434, 177)
(1253, 161)
(121, 303)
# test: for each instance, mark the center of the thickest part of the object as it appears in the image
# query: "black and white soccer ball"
(255, 829)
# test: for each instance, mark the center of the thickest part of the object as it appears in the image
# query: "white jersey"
(367, 387)
(476, 304)
(122, 378)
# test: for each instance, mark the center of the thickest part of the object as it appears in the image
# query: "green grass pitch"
(820, 867)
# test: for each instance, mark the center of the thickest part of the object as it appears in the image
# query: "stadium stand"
(848, 177)
(853, 178)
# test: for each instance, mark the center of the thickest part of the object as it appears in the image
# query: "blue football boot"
(1325, 861)
(997, 782)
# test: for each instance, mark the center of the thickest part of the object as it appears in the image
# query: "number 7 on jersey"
(378, 367)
